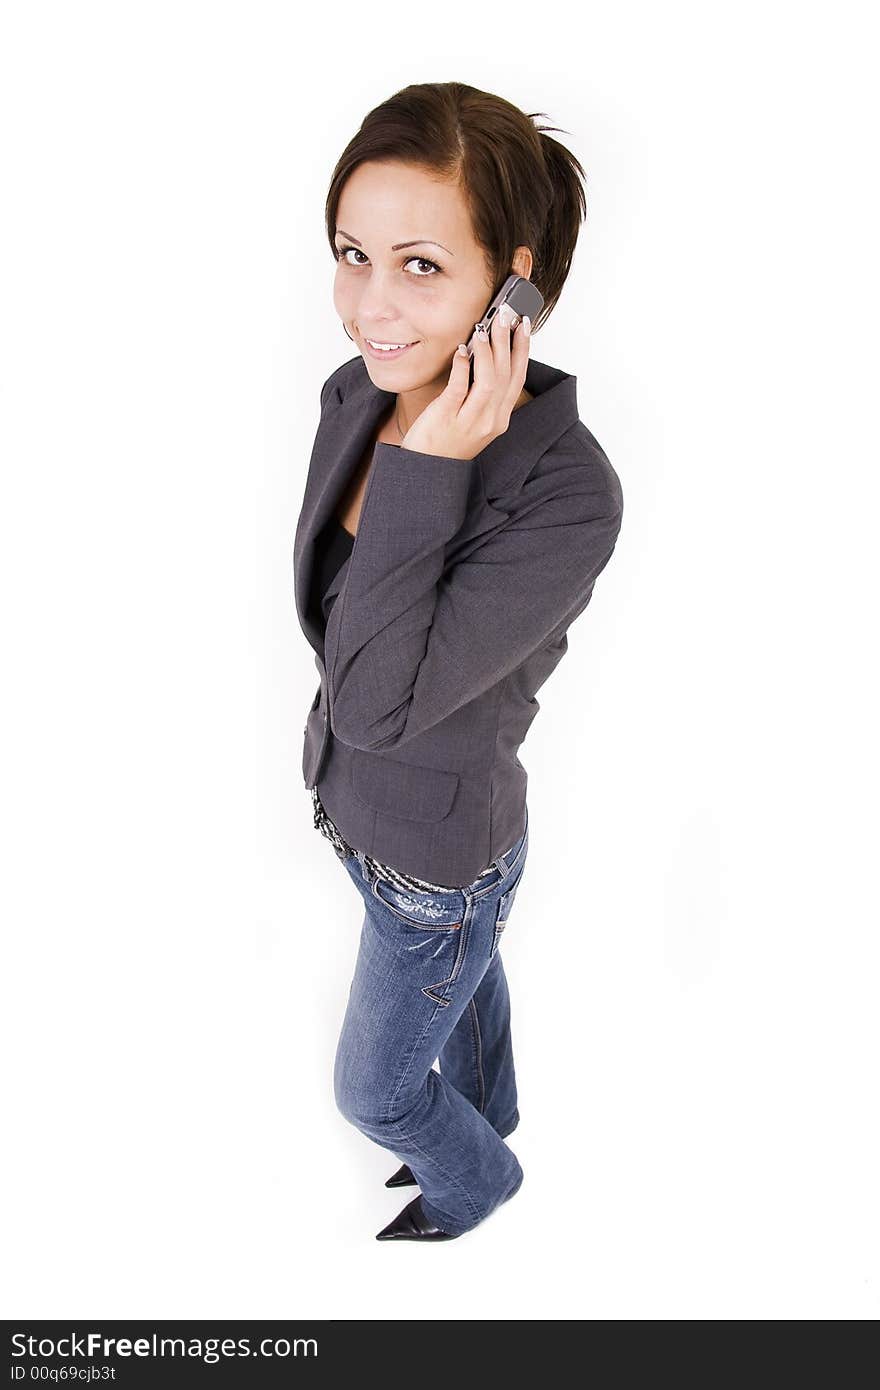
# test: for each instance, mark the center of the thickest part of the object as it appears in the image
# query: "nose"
(375, 312)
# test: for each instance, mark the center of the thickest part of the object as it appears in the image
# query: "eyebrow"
(401, 245)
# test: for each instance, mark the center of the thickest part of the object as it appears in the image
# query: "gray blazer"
(449, 615)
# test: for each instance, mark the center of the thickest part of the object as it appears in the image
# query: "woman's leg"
(478, 1055)
(421, 960)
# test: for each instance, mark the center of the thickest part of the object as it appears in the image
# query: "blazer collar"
(531, 431)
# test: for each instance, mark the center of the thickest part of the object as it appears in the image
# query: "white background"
(694, 954)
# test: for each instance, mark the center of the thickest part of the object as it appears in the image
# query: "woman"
(449, 535)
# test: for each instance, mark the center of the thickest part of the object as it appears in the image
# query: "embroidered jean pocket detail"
(429, 911)
(505, 907)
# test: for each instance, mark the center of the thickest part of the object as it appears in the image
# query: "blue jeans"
(429, 984)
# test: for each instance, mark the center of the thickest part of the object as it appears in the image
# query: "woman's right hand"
(465, 418)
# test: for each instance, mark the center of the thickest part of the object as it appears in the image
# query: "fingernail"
(462, 350)
(505, 314)
(527, 325)
(482, 331)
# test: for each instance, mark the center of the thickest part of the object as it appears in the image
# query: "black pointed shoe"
(413, 1224)
(402, 1178)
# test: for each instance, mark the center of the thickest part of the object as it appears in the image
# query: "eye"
(420, 260)
(342, 252)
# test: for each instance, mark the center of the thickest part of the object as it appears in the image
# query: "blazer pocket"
(402, 790)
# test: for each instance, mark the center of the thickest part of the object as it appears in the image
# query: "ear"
(522, 262)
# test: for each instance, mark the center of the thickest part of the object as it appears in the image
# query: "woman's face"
(426, 294)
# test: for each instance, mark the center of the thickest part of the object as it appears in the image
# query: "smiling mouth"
(387, 353)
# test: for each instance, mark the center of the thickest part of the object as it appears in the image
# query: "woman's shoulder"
(343, 378)
(579, 447)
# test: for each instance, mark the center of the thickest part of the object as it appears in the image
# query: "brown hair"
(522, 187)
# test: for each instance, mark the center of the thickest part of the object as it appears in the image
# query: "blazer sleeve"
(406, 643)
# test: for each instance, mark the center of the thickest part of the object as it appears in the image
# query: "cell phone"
(523, 298)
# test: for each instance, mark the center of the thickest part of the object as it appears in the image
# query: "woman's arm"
(405, 644)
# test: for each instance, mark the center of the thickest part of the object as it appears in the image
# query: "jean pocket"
(429, 911)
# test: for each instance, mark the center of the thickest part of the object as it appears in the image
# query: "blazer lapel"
(342, 435)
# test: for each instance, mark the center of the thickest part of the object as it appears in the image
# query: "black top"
(332, 548)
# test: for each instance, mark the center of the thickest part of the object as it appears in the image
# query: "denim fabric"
(429, 985)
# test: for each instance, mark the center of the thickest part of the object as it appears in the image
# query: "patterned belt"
(343, 849)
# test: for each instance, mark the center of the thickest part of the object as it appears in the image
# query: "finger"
(520, 353)
(516, 365)
(519, 365)
(484, 369)
(459, 374)
(501, 325)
